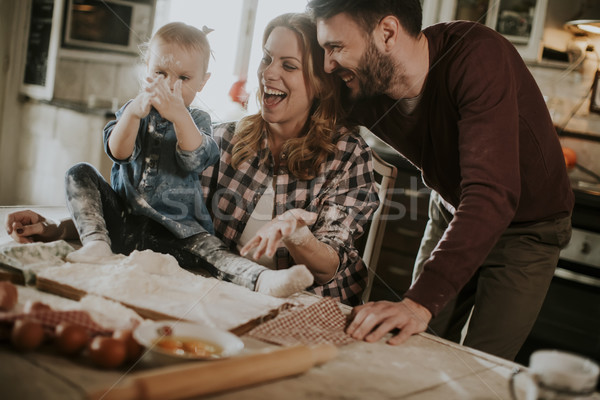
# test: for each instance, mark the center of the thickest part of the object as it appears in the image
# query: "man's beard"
(376, 74)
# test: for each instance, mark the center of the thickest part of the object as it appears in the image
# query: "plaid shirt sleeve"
(345, 203)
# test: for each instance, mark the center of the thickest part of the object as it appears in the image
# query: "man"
(457, 101)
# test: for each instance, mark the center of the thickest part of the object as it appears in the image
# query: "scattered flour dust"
(110, 314)
(155, 281)
(107, 313)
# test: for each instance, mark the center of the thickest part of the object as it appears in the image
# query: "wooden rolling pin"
(203, 378)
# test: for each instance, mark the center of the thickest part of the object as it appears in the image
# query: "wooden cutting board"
(18, 261)
(152, 284)
(11, 274)
(69, 292)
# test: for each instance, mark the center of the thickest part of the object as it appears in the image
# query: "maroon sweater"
(483, 139)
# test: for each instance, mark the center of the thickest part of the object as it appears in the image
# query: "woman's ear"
(388, 29)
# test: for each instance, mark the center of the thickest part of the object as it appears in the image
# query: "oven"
(570, 317)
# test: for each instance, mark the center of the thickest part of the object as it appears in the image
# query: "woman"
(313, 176)
(292, 185)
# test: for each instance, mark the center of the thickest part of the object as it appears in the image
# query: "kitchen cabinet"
(42, 41)
(81, 74)
(520, 21)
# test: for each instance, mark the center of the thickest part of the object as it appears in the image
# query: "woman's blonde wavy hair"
(305, 154)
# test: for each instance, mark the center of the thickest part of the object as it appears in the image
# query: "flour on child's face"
(168, 61)
(175, 62)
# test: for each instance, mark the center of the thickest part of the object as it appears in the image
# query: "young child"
(159, 147)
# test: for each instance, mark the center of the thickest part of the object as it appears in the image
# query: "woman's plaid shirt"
(343, 195)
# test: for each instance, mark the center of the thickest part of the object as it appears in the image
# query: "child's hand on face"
(140, 106)
(169, 103)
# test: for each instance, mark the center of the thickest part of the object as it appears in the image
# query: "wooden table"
(425, 367)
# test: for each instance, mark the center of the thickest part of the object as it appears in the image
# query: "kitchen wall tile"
(129, 79)
(79, 137)
(53, 140)
(50, 191)
(72, 127)
(38, 120)
(99, 84)
(28, 148)
(40, 187)
(95, 84)
(70, 76)
(65, 160)
(23, 189)
(49, 180)
(45, 155)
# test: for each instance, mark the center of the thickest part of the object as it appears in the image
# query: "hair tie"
(206, 30)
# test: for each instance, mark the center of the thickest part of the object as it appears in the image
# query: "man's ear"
(389, 28)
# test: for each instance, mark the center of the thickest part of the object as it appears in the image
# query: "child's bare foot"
(95, 252)
(284, 282)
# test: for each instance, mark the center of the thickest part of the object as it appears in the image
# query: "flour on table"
(109, 314)
(155, 281)
(30, 294)
(30, 258)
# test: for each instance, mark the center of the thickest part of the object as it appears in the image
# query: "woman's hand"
(290, 226)
(27, 227)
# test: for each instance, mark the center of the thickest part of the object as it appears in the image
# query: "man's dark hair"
(368, 13)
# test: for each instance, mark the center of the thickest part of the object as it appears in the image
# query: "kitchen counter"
(425, 367)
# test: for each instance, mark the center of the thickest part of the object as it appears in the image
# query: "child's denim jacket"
(161, 181)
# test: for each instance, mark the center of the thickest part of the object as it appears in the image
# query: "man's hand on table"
(371, 321)
(27, 227)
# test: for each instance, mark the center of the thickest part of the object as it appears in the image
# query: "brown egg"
(70, 338)
(134, 349)
(8, 295)
(107, 352)
(27, 334)
(34, 306)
